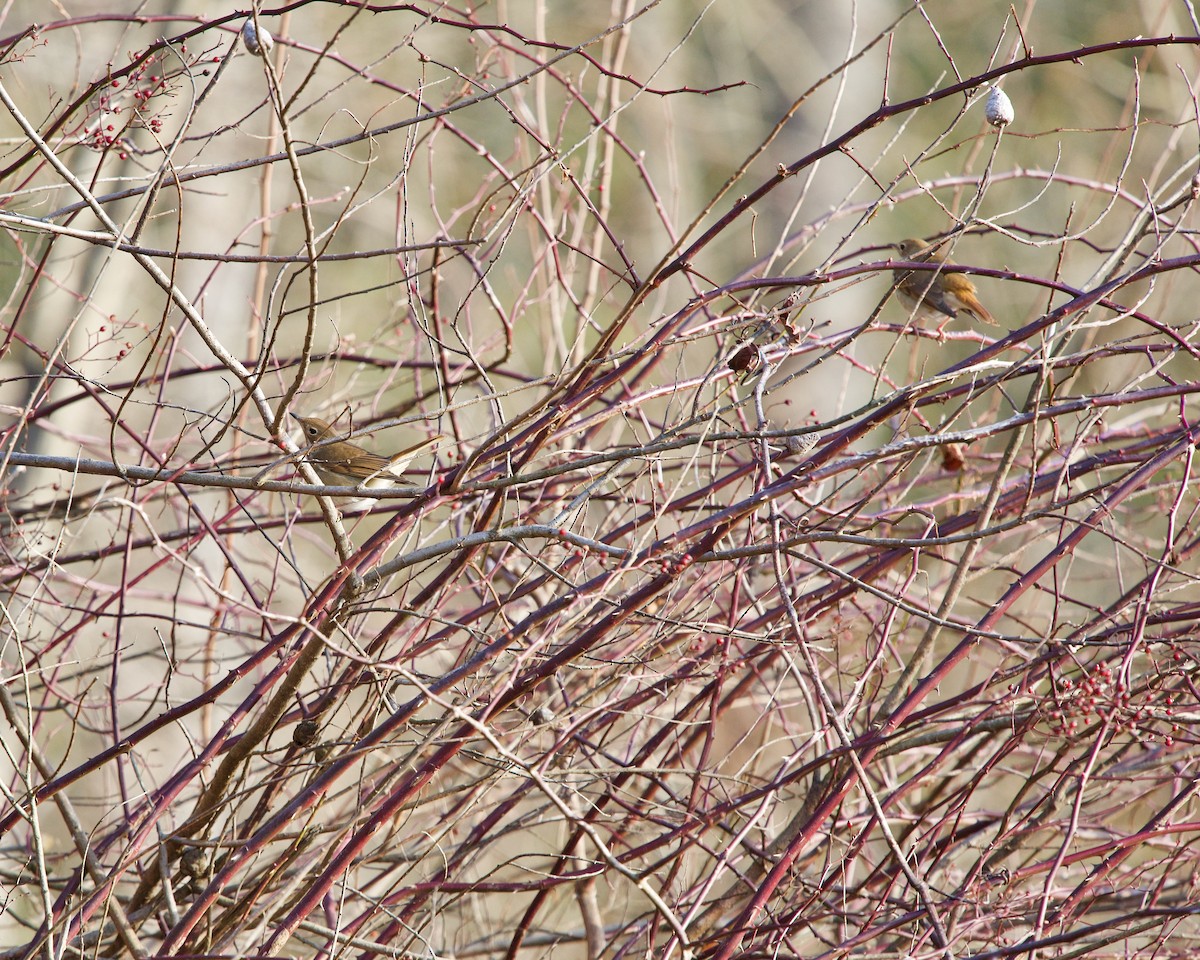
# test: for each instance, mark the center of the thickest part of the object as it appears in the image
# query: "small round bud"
(256, 39)
(999, 109)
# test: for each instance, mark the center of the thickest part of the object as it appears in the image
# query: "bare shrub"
(739, 610)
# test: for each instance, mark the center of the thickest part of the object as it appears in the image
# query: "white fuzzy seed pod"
(999, 110)
(257, 41)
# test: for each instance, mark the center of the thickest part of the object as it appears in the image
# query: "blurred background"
(740, 611)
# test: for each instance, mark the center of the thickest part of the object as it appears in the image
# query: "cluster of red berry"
(110, 128)
(1098, 697)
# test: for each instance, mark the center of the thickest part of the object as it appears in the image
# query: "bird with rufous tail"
(343, 463)
(935, 293)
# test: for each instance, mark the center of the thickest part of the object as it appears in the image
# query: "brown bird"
(937, 293)
(342, 463)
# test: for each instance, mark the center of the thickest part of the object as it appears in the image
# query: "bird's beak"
(293, 416)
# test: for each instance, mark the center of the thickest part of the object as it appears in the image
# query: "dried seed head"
(193, 862)
(745, 357)
(999, 109)
(257, 40)
(798, 446)
(306, 732)
(954, 456)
